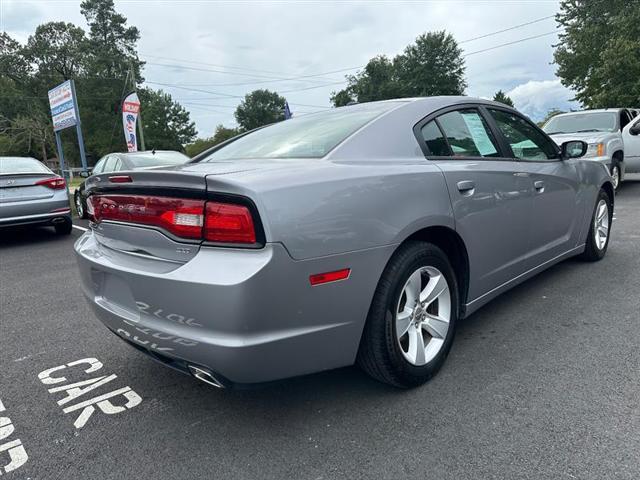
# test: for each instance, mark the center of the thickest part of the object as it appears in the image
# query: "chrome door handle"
(521, 174)
(466, 187)
(539, 186)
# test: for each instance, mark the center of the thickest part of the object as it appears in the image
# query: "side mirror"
(635, 130)
(573, 149)
(85, 174)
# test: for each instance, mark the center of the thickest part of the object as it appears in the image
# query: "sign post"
(65, 114)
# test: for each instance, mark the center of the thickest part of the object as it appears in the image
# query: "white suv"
(613, 135)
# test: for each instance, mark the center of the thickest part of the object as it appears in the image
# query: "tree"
(221, 134)
(502, 97)
(378, 81)
(599, 53)
(260, 107)
(433, 65)
(58, 50)
(166, 123)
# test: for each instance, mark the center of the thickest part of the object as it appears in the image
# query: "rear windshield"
(307, 136)
(141, 160)
(13, 165)
(582, 122)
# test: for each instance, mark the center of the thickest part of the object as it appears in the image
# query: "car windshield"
(157, 159)
(582, 122)
(307, 136)
(14, 165)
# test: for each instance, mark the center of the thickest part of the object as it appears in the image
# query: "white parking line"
(82, 229)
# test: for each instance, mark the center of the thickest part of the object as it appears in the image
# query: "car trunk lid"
(23, 187)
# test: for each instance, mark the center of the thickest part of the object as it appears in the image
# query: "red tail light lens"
(182, 217)
(196, 219)
(227, 223)
(55, 183)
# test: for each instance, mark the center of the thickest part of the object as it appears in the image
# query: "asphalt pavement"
(543, 382)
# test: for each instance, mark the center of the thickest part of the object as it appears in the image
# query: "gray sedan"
(359, 234)
(31, 194)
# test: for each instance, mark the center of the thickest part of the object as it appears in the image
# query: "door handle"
(539, 186)
(466, 187)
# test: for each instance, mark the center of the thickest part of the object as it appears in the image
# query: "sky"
(209, 54)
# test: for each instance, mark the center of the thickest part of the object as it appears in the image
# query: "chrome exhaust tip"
(205, 376)
(57, 220)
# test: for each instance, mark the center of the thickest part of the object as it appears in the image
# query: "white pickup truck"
(613, 136)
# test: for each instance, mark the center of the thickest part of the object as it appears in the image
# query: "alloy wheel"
(601, 224)
(423, 315)
(615, 175)
(79, 207)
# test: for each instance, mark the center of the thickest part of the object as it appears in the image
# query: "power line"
(510, 43)
(507, 29)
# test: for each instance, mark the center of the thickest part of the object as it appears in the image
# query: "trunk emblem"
(11, 182)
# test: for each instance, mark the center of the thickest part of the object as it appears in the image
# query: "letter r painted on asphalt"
(104, 404)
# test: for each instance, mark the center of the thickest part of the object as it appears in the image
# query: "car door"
(491, 200)
(558, 213)
(632, 146)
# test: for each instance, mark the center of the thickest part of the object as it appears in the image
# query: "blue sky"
(233, 47)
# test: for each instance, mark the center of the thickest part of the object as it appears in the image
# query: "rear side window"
(435, 141)
(9, 165)
(468, 134)
(306, 136)
(527, 142)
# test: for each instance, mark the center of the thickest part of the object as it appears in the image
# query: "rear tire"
(597, 245)
(387, 354)
(65, 227)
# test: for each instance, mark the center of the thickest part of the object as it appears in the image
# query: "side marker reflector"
(320, 278)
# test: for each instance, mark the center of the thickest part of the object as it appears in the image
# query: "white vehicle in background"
(611, 133)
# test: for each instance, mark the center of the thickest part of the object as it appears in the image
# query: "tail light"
(194, 219)
(55, 183)
(228, 223)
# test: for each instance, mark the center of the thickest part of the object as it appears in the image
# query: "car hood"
(589, 137)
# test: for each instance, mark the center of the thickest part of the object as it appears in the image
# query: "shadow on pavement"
(24, 235)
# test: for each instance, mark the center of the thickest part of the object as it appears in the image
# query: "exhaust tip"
(205, 376)
(57, 220)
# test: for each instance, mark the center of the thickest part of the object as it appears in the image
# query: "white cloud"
(535, 98)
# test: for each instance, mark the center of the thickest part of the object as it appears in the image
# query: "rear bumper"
(38, 219)
(248, 315)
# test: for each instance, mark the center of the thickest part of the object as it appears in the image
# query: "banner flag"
(130, 111)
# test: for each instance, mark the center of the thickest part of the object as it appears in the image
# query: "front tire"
(599, 231)
(615, 174)
(80, 205)
(412, 319)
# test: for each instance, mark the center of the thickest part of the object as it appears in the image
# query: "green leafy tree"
(260, 107)
(166, 123)
(221, 134)
(57, 49)
(502, 97)
(598, 56)
(377, 81)
(432, 65)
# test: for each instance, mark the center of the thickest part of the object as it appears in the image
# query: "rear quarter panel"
(334, 208)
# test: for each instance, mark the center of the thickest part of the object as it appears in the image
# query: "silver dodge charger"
(358, 234)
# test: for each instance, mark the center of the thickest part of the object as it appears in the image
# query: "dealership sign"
(130, 112)
(63, 108)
